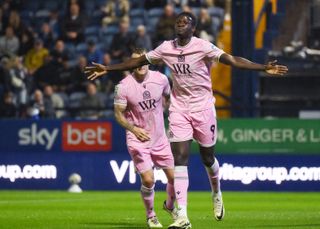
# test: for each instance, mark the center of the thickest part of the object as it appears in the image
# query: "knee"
(180, 159)
(148, 182)
(207, 155)
(208, 160)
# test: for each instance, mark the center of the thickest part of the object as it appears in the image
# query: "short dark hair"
(190, 16)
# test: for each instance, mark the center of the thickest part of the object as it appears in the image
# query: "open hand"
(95, 71)
(141, 134)
(273, 69)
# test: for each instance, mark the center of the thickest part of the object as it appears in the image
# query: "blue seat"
(26, 16)
(137, 21)
(136, 4)
(90, 7)
(91, 31)
(32, 6)
(95, 39)
(155, 12)
(81, 48)
(42, 15)
(50, 5)
(137, 13)
(216, 12)
(75, 99)
(216, 24)
(152, 23)
(96, 18)
(105, 41)
(112, 29)
(100, 3)
(196, 11)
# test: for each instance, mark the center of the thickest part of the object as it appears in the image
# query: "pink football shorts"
(145, 159)
(201, 126)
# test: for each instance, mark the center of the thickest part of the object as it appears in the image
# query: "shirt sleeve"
(120, 96)
(212, 52)
(155, 55)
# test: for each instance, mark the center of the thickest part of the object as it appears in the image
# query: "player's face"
(183, 26)
(141, 71)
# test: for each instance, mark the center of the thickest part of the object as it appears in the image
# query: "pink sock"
(181, 183)
(170, 196)
(213, 174)
(147, 195)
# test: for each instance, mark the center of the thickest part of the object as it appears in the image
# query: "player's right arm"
(97, 70)
(141, 134)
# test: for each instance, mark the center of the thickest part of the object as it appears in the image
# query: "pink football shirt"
(144, 106)
(190, 66)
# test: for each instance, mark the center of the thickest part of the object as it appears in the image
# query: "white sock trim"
(181, 168)
(147, 190)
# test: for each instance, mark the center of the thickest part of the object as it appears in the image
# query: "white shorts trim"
(180, 140)
(206, 145)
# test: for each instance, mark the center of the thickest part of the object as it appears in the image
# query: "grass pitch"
(49, 209)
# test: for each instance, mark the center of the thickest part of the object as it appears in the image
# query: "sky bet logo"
(76, 136)
(86, 136)
(37, 136)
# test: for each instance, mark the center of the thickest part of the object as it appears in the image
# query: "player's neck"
(139, 78)
(183, 41)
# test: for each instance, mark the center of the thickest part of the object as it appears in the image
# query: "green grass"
(48, 209)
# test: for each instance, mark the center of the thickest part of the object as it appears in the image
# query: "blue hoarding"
(115, 171)
(42, 155)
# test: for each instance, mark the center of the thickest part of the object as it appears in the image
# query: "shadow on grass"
(114, 225)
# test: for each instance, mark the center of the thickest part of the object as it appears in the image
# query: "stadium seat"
(136, 21)
(96, 18)
(112, 29)
(196, 11)
(106, 40)
(216, 12)
(136, 4)
(50, 5)
(95, 39)
(137, 13)
(75, 99)
(32, 6)
(89, 7)
(216, 24)
(91, 31)
(44, 13)
(71, 48)
(152, 23)
(26, 16)
(155, 12)
(100, 3)
(64, 97)
(80, 48)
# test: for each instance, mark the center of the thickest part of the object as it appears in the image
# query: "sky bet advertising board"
(56, 136)
(42, 154)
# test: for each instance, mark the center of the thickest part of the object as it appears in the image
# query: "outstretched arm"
(240, 62)
(97, 70)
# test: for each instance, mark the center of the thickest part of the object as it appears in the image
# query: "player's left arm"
(240, 62)
(166, 102)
